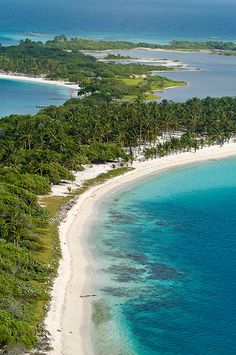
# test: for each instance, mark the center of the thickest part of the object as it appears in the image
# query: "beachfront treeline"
(38, 150)
(60, 139)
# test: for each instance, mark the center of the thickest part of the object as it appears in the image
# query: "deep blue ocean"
(152, 20)
(166, 268)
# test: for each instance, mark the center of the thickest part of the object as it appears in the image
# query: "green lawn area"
(130, 97)
(132, 81)
(148, 96)
(146, 87)
(151, 96)
(165, 84)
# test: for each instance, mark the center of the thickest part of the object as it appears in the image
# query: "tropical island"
(53, 60)
(40, 151)
(76, 44)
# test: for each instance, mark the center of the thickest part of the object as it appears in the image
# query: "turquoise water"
(23, 97)
(166, 267)
(150, 20)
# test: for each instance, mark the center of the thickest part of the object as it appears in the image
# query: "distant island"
(62, 59)
(220, 47)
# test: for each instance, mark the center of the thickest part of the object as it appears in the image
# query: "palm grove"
(38, 150)
(43, 149)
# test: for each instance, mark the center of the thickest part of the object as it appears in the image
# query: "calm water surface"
(23, 97)
(166, 266)
(215, 78)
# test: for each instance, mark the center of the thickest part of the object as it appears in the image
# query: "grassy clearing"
(152, 96)
(130, 97)
(144, 88)
(132, 81)
(100, 179)
(53, 203)
(51, 246)
(166, 83)
(149, 96)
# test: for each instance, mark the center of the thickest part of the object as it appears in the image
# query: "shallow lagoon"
(215, 78)
(165, 264)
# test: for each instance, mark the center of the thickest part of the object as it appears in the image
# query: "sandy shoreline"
(100, 56)
(39, 80)
(68, 319)
(207, 51)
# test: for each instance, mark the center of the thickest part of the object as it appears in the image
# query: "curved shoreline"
(39, 80)
(68, 319)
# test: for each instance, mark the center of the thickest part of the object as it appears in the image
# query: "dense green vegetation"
(115, 57)
(45, 145)
(76, 44)
(211, 45)
(219, 47)
(60, 139)
(54, 61)
(23, 231)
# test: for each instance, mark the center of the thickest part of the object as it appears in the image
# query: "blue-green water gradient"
(166, 267)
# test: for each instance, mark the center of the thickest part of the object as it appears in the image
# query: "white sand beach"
(154, 61)
(68, 319)
(101, 56)
(173, 50)
(39, 80)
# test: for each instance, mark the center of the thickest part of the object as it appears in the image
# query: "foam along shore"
(39, 80)
(69, 317)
